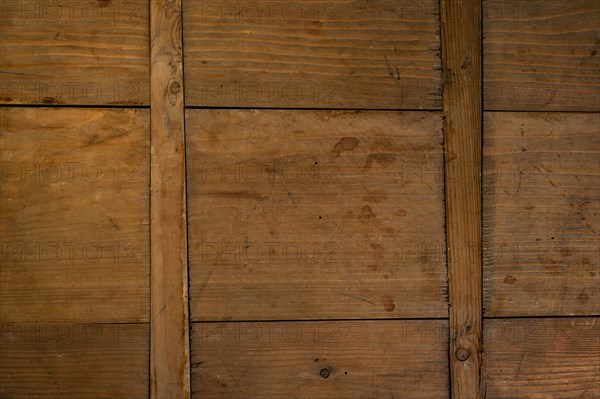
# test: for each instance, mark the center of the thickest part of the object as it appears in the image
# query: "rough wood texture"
(315, 214)
(541, 214)
(91, 361)
(355, 359)
(542, 55)
(316, 54)
(542, 358)
(74, 215)
(170, 364)
(71, 52)
(461, 54)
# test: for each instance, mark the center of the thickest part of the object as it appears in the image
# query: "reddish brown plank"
(74, 215)
(542, 358)
(72, 52)
(315, 214)
(336, 360)
(91, 361)
(541, 55)
(541, 214)
(314, 54)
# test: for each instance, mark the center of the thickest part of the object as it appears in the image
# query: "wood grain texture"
(542, 55)
(336, 360)
(74, 215)
(70, 52)
(315, 214)
(461, 55)
(541, 214)
(312, 54)
(169, 360)
(91, 361)
(542, 358)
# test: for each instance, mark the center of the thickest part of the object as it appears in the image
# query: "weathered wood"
(541, 214)
(542, 358)
(315, 214)
(169, 360)
(541, 55)
(461, 55)
(74, 215)
(74, 52)
(337, 360)
(92, 361)
(346, 54)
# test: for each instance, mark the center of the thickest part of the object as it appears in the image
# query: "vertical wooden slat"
(169, 358)
(461, 59)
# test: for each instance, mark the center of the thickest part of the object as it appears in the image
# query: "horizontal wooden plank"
(74, 215)
(74, 52)
(313, 54)
(318, 360)
(315, 214)
(542, 358)
(541, 55)
(541, 214)
(74, 360)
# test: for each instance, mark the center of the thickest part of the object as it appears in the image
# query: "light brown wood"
(541, 55)
(461, 55)
(71, 52)
(92, 361)
(315, 214)
(337, 360)
(542, 358)
(314, 54)
(541, 214)
(74, 215)
(169, 354)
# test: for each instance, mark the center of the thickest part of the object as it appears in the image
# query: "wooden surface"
(315, 214)
(360, 359)
(74, 215)
(461, 45)
(69, 52)
(542, 55)
(312, 54)
(542, 358)
(91, 361)
(169, 353)
(541, 220)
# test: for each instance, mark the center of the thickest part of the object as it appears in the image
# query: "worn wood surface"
(541, 214)
(542, 55)
(346, 54)
(315, 214)
(74, 215)
(352, 359)
(91, 361)
(542, 358)
(71, 52)
(169, 360)
(461, 45)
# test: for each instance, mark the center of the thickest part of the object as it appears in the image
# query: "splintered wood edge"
(169, 343)
(462, 107)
